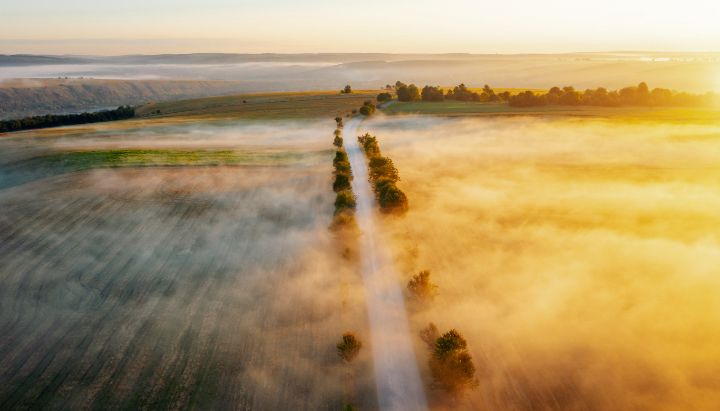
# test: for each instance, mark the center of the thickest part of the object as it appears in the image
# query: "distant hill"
(137, 79)
(21, 98)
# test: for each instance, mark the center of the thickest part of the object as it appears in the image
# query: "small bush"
(349, 347)
(367, 109)
(383, 97)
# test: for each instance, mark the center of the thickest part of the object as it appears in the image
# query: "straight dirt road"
(397, 377)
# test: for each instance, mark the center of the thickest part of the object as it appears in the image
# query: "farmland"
(204, 278)
(183, 258)
(575, 254)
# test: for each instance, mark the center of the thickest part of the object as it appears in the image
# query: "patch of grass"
(36, 168)
(262, 106)
(79, 160)
(462, 108)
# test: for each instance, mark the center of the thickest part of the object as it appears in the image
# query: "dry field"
(190, 286)
(579, 257)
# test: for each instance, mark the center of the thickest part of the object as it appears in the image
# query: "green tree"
(430, 93)
(451, 365)
(382, 97)
(408, 93)
(347, 89)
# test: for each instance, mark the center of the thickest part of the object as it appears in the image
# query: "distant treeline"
(383, 176)
(51, 120)
(639, 95)
(435, 93)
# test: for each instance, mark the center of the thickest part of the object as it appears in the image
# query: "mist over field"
(99, 82)
(577, 256)
(170, 287)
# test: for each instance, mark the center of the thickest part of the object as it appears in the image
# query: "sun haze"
(424, 26)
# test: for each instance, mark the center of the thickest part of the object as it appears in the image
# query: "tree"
(367, 109)
(342, 182)
(345, 200)
(421, 287)
(462, 93)
(339, 121)
(430, 93)
(451, 365)
(349, 347)
(347, 90)
(338, 141)
(382, 97)
(407, 93)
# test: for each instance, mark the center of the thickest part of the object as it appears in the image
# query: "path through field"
(396, 373)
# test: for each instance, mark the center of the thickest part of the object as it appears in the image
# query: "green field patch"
(35, 168)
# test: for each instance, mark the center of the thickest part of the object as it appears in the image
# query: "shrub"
(349, 347)
(369, 145)
(367, 109)
(382, 97)
(421, 287)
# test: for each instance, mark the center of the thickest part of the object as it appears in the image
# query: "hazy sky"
(151, 26)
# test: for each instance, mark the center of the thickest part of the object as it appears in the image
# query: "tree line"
(52, 120)
(383, 176)
(344, 197)
(639, 95)
(460, 92)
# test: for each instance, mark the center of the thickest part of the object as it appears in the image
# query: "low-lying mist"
(177, 287)
(578, 257)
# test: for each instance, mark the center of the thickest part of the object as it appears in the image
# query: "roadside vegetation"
(421, 288)
(51, 120)
(348, 349)
(451, 365)
(383, 97)
(383, 177)
(368, 108)
(344, 216)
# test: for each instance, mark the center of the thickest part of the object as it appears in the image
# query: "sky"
(417, 26)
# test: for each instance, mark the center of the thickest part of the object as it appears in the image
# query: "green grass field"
(262, 106)
(35, 168)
